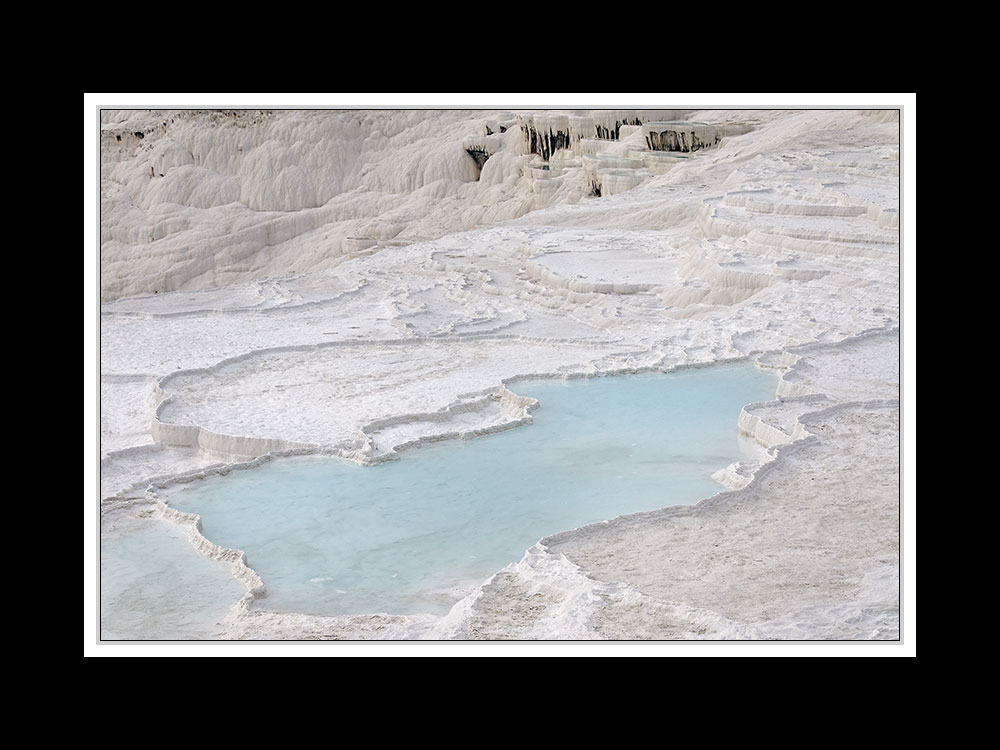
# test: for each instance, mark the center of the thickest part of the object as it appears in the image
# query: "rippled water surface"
(156, 586)
(415, 535)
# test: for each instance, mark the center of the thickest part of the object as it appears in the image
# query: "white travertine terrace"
(351, 282)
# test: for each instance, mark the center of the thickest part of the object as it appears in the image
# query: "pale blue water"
(415, 535)
(156, 586)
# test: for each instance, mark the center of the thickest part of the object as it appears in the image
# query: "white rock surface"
(349, 282)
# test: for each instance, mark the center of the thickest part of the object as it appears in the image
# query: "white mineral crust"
(349, 282)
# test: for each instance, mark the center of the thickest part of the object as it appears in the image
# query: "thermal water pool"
(330, 537)
(156, 586)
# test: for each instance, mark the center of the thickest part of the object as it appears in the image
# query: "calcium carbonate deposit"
(349, 283)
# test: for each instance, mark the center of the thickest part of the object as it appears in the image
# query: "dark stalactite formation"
(678, 140)
(544, 143)
(547, 142)
(480, 155)
(608, 134)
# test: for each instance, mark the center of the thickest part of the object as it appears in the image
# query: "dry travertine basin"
(779, 244)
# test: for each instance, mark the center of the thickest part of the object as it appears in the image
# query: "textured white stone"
(349, 282)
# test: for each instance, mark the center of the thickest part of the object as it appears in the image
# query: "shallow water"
(415, 535)
(156, 586)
